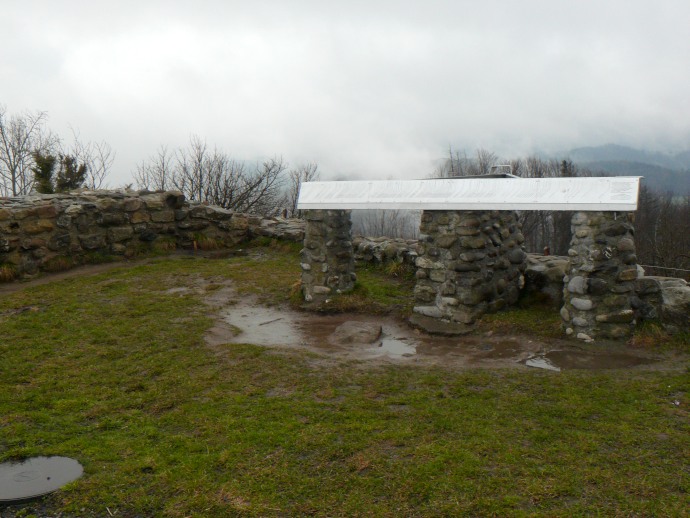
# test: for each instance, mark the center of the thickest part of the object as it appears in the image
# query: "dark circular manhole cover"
(36, 477)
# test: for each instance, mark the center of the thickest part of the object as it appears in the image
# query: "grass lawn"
(112, 370)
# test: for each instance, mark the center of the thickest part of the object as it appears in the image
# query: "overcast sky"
(368, 89)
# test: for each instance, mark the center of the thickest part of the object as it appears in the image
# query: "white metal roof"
(617, 193)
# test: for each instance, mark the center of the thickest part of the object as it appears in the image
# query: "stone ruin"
(601, 282)
(469, 263)
(54, 232)
(327, 259)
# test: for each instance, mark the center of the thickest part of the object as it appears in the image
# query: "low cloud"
(375, 91)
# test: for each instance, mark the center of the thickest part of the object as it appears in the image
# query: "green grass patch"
(291, 248)
(99, 257)
(378, 290)
(541, 321)
(112, 370)
(651, 335)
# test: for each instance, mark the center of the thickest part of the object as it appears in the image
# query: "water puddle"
(324, 333)
(541, 362)
(498, 349)
(558, 360)
(395, 348)
(370, 337)
(36, 477)
(266, 326)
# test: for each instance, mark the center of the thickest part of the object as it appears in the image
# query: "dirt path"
(79, 271)
(93, 269)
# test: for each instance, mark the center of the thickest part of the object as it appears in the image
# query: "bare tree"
(25, 136)
(517, 166)
(540, 228)
(658, 241)
(547, 228)
(156, 173)
(261, 190)
(20, 137)
(386, 223)
(452, 166)
(303, 173)
(485, 161)
(459, 164)
(210, 176)
(98, 157)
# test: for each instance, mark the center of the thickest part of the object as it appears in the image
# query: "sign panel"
(616, 193)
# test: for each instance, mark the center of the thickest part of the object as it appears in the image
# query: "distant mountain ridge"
(614, 152)
(662, 172)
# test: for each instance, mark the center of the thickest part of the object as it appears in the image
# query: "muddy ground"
(386, 339)
(380, 339)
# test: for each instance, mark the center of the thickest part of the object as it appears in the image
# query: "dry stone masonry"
(544, 278)
(601, 283)
(665, 300)
(381, 250)
(327, 259)
(470, 263)
(55, 232)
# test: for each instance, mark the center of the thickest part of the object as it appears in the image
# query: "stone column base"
(600, 285)
(327, 259)
(437, 326)
(470, 263)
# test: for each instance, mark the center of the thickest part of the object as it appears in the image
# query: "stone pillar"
(603, 268)
(327, 259)
(469, 263)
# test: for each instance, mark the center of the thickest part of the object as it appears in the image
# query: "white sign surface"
(618, 193)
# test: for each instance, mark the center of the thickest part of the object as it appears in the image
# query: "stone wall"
(327, 259)
(381, 250)
(601, 283)
(544, 278)
(665, 300)
(56, 232)
(470, 263)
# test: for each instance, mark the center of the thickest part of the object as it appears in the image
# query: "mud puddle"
(263, 326)
(363, 337)
(277, 327)
(557, 360)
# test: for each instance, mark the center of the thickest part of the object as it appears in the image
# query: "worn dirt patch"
(94, 269)
(282, 328)
(46, 278)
